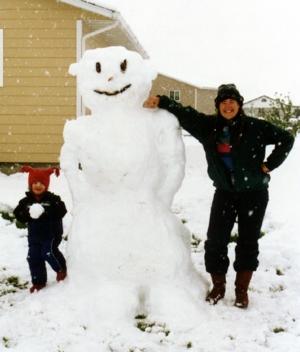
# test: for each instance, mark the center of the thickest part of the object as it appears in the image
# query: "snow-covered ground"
(51, 321)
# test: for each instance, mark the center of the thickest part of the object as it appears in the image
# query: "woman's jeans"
(248, 208)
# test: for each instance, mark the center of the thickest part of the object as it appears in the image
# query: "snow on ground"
(50, 321)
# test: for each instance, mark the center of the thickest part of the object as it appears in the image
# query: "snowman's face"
(113, 75)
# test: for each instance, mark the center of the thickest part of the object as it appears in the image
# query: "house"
(39, 39)
(256, 107)
(200, 98)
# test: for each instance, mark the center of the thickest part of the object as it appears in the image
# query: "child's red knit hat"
(39, 175)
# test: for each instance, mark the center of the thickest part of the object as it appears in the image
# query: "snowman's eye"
(98, 67)
(123, 66)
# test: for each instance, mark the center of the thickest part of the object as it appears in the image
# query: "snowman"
(126, 250)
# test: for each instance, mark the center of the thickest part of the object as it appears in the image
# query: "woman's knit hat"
(39, 175)
(228, 91)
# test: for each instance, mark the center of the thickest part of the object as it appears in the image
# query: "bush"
(281, 114)
(10, 217)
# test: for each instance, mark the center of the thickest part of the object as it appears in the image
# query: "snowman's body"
(124, 234)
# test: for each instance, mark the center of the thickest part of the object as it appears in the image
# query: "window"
(175, 94)
(1, 57)
(264, 100)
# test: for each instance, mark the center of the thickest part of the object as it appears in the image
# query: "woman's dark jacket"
(49, 224)
(247, 154)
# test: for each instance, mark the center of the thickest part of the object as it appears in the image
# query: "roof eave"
(85, 5)
(186, 82)
(262, 96)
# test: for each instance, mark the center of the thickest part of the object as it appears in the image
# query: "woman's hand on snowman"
(264, 168)
(152, 102)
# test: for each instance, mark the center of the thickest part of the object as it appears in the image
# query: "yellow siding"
(16, 130)
(19, 33)
(17, 5)
(29, 120)
(28, 91)
(38, 94)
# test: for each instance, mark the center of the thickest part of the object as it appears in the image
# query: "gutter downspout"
(84, 38)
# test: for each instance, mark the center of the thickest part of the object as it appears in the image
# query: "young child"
(43, 211)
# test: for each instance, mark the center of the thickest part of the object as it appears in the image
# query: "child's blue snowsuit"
(44, 234)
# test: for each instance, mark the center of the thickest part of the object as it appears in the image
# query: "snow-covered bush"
(282, 114)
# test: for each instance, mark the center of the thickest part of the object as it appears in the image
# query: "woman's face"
(229, 108)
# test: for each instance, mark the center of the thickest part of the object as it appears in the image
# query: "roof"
(186, 82)
(121, 30)
(258, 100)
(262, 96)
(89, 6)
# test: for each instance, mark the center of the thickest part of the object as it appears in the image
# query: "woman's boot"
(218, 291)
(243, 278)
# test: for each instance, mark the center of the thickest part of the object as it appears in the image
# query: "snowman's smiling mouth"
(115, 92)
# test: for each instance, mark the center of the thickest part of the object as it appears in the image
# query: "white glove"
(36, 210)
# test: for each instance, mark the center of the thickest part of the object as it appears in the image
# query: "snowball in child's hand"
(36, 210)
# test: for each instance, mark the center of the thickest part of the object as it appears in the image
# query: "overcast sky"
(252, 43)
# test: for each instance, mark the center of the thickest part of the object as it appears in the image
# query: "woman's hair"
(241, 117)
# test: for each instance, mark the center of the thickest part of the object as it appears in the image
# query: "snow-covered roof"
(259, 103)
(93, 7)
(256, 99)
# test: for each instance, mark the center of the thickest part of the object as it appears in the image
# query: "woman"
(235, 147)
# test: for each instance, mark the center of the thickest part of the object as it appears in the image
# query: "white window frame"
(1, 57)
(175, 94)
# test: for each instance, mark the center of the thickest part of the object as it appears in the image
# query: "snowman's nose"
(110, 78)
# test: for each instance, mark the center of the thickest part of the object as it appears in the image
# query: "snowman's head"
(113, 75)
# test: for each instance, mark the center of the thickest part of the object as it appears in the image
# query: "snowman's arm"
(69, 161)
(172, 151)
